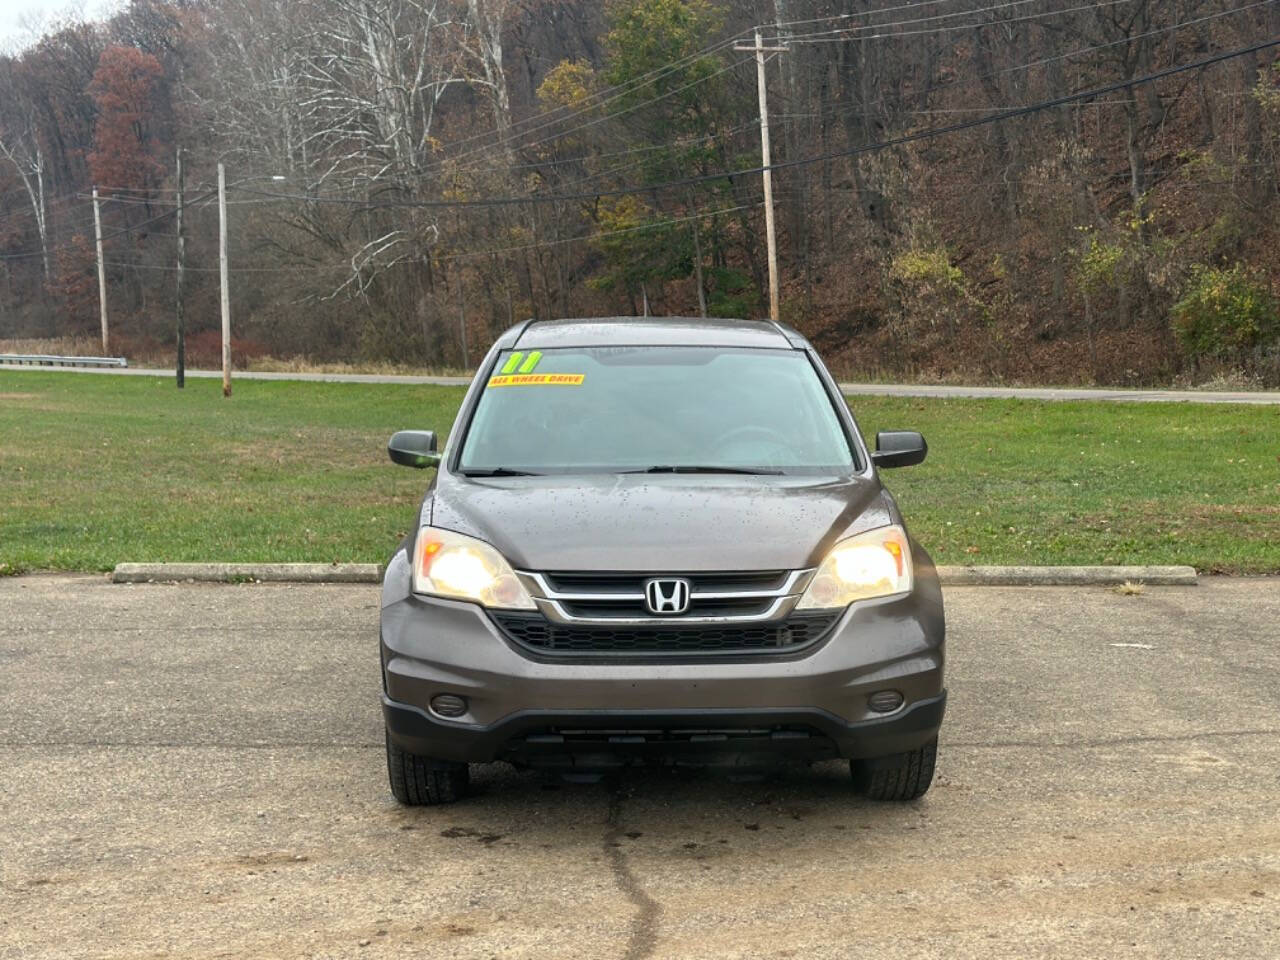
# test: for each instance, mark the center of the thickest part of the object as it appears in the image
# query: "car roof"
(656, 331)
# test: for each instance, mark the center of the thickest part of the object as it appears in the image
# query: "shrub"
(1226, 314)
(931, 287)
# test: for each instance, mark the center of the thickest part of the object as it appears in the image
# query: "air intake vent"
(539, 634)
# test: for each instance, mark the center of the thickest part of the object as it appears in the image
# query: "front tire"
(899, 776)
(420, 781)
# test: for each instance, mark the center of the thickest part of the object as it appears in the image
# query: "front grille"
(602, 596)
(536, 632)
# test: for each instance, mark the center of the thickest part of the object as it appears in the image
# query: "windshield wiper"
(695, 468)
(500, 472)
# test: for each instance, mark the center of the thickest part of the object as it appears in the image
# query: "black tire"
(419, 781)
(900, 776)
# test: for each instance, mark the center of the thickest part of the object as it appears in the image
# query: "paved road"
(852, 389)
(197, 772)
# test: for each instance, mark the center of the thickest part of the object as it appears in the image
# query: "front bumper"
(605, 738)
(811, 703)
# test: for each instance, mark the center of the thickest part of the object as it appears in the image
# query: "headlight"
(447, 564)
(872, 564)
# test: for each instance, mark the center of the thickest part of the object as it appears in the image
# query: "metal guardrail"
(45, 360)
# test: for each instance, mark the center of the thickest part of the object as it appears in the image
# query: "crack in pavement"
(644, 926)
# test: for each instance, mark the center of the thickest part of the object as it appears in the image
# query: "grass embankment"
(95, 470)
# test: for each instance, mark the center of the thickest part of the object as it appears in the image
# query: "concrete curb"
(264, 572)
(1066, 576)
(372, 573)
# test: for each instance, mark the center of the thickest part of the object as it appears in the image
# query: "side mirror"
(899, 448)
(414, 448)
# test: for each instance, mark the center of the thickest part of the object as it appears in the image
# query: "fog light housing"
(448, 705)
(885, 701)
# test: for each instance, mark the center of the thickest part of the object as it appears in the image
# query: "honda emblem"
(667, 596)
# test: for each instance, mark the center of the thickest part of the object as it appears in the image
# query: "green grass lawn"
(95, 470)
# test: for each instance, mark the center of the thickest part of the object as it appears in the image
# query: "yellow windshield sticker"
(531, 362)
(513, 361)
(537, 380)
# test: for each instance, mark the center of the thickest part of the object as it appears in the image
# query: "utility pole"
(102, 274)
(770, 233)
(181, 365)
(226, 285)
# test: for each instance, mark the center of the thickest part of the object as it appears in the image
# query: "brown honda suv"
(658, 540)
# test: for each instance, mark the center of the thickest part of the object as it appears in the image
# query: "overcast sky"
(16, 16)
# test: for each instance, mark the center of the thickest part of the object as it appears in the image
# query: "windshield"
(660, 409)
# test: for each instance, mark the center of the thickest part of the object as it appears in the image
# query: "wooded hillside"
(408, 177)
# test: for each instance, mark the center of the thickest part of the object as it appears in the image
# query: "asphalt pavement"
(196, 771)
(1262, 397)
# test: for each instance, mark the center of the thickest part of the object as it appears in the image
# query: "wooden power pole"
(226, 284)
(181, 365)
(102, 274)
(759, 49)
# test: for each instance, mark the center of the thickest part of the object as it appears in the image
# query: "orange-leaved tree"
(126, 152)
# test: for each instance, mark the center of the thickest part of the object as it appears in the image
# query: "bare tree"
(487, 18)
(22, 150)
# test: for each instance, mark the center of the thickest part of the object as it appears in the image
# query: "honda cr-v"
(658, 540)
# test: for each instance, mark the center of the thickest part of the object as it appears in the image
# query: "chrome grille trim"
(551, 601)
(554, 611)
(546, 591)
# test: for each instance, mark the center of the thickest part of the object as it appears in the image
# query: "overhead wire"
(590, 103)
(1079, 51)
(600, 119)
(888, 24)
(951, 28)
(1000, 114)
(995, 117)
(634, 107)
(861, 13)
(446, 258)
(130, 228)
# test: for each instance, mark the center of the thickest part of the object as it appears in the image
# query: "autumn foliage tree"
(126, 148)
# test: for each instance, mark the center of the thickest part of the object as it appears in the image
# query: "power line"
(796, 38)
(109, 236)
(601, 119)
(1032, 108)
(953, 28)
(862, 13)
(643, 188)
(447, 258)
(716, 135)
(789, 39)
(707, 51)
(880, 101)
(797, 162)
(588, 104)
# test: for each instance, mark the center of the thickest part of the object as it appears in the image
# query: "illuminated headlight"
(872, 564)
(448, 564)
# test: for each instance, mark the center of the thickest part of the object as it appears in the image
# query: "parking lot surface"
(197, 771)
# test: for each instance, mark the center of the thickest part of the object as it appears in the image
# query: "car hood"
(679, 523)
